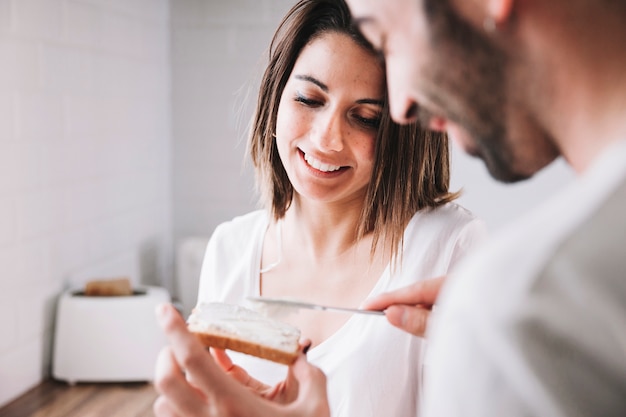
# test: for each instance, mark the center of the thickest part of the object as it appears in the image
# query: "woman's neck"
(323, 231)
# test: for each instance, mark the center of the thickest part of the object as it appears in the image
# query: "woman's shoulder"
(449, 214)
(242, 228)
(448, 221)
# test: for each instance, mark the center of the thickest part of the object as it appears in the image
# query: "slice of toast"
(227, 326)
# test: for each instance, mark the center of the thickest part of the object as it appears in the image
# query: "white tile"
(32, 264)
(239, 11)
(22, 369)
(152, 10)
(188, 12)
(200, 45)
(69, 161)
(116, 75)
(68, 252)
(8, 221)
(121, 34)
(36, 311)
(66, 70)
(40, 213)
(83, 204)
(84, 116)
(252, 43)
(39, 18)
(6, 18)
(19, 65)
(7, 110)
(119, 264)
(82, 23)
(20, 166)
(8, 321)
(39, 117)
(155, 44)
(109, 237)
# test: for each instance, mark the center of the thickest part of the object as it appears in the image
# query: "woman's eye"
(368, 122)
(307, 101)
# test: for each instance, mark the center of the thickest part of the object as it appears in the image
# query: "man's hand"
(409, 308)
(190, 383)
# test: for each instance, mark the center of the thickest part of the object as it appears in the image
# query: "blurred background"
(122, 145)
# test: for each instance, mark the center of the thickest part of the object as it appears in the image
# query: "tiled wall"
(84, 161)
(218, 55)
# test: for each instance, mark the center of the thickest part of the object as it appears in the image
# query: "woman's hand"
(282, 393)
(409, 308)
(191, 383)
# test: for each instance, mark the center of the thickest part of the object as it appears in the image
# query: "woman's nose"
(329, 134)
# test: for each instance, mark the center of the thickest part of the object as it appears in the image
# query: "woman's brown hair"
(411, 165)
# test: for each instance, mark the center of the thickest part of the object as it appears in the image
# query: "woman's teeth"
(319, 165)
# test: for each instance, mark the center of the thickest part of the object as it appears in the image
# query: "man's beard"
(467, 81)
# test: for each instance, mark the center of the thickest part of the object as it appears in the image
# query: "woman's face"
(328, 117)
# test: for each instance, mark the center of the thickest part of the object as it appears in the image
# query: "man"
(534, 324)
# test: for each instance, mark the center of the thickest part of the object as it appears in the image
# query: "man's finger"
(420, 293)
(413, 320)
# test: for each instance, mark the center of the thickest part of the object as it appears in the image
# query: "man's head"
(454, 65)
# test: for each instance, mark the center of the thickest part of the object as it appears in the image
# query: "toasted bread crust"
(226, 342)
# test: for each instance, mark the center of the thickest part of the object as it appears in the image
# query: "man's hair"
(411, 165)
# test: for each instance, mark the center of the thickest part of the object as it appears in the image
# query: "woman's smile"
(319, 166)
(328, 119)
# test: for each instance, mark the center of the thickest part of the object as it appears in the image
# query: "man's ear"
(499, 10)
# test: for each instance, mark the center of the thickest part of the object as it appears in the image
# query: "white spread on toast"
(241, 323)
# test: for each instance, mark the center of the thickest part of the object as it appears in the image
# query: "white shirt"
(373, 369)
(534, 324)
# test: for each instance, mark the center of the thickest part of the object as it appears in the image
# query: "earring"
(489, 24)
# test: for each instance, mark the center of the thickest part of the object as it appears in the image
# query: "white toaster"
(108, 339)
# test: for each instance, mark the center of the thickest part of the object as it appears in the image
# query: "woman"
(355, 205)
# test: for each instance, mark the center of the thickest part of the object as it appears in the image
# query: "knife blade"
(282, 302)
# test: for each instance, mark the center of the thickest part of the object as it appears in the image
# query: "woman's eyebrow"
(313, 80)
(324, 88)
(370, 101)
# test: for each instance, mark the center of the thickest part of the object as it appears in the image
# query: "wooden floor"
(58, 399)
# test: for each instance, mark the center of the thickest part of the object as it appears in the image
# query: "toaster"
(108, 339)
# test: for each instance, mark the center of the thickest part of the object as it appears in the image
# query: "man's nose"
(404, 110)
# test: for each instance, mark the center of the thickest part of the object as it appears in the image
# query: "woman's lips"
(319, 166)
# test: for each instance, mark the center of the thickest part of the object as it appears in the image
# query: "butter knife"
(282, 302)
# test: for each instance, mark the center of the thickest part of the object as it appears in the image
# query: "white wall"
(217, 58)
(84, 160)
(497, 203)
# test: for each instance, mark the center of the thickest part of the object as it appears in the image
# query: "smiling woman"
(355, 205)
(328, 118)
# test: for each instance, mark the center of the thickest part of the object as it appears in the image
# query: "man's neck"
(586, 110)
